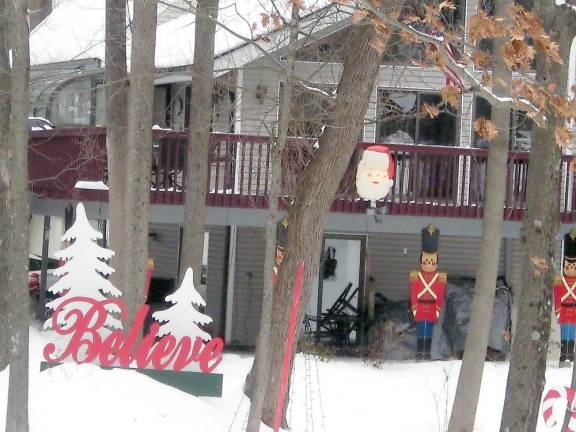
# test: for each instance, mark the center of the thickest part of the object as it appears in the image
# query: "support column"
(44, 268)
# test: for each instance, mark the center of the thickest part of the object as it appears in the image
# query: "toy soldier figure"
(427, 292)
(281, 233)
(565, 300)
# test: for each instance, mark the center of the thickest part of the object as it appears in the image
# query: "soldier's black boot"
(570, 351)
(563, 352)
(427, 349)
(419, 349)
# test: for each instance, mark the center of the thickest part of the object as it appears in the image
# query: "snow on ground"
(353, 396)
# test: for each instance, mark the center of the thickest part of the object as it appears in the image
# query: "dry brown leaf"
(264, 19)
(411, 19)
(486, 79)
(563, 137)
(359, 15)
(298, 4)
(431, 111)
(446, 4)
(518, 55)
(408, 37)
(481, 26)
(451, 96)
(532, 92)
(481, 59)
(573, 165)
(433, 17)
(485, 128)
(562, 107)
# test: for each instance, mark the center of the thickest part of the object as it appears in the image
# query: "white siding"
(391, 258)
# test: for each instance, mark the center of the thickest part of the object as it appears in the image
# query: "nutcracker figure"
(427, 292)
(565, 300)
(281, 232)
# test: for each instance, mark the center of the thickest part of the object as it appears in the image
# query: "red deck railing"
(429, 180)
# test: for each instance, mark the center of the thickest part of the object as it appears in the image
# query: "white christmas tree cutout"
(183, 319)
(84, 273)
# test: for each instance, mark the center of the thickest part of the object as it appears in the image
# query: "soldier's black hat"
(570, 245)
(430, 239)
(281, 233)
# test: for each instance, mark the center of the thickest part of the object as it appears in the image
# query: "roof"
(75, 31)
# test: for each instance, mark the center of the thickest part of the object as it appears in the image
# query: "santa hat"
(379, 156)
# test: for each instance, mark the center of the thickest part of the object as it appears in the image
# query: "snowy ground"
(338, 396)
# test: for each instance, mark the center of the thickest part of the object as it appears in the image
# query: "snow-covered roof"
(76, 28)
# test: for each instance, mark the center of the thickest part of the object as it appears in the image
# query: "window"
(400, 120)
(73, 104)
(520, 125)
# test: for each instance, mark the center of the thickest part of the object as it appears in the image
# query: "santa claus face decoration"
(375, 174)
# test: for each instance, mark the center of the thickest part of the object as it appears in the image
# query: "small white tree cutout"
(84, 272)
(183, 319)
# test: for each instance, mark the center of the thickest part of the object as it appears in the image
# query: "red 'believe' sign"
(119, 348)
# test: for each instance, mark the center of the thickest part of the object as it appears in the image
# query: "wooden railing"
(429, 180)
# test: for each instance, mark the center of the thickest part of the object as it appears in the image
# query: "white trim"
(230, 284)
(238, 102)
(572, 69)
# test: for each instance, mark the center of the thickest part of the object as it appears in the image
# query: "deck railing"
(429, 180)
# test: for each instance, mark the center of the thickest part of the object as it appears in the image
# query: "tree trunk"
(526, 376)
(5, 231)
(317, 186)
(470, 378)
(18, 212)
(260, 372)
(116, 123)
(199, 139)
(139, 138)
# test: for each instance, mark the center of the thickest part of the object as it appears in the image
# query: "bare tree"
(470, 377)
(526, 376)
(4, 219)
(261, 372)
(318, 184)
(139, 140)
(199, 138)
(14, 178)
(116, 121)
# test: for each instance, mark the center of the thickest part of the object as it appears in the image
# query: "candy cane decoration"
(555, 393)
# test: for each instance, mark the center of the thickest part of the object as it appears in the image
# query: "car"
(34, 270)
(39, 124)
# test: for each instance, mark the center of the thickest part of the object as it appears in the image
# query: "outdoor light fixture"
(261, 91)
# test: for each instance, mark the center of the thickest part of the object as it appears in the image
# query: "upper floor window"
(72, 104)
(520, 127)
(400, 119)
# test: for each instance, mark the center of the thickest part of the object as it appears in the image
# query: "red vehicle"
(35, 267)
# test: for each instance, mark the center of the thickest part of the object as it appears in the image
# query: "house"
(440, 162)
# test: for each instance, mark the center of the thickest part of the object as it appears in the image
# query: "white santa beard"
(370, 191)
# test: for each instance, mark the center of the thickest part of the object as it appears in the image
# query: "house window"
(73, 104)
(400, 119)
(520, 126)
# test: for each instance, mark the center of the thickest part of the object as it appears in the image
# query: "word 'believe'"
(122, 349)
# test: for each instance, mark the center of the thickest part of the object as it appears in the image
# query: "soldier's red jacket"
(427, 295)
(565, 299)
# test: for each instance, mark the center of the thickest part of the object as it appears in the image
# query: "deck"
(429, 180)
